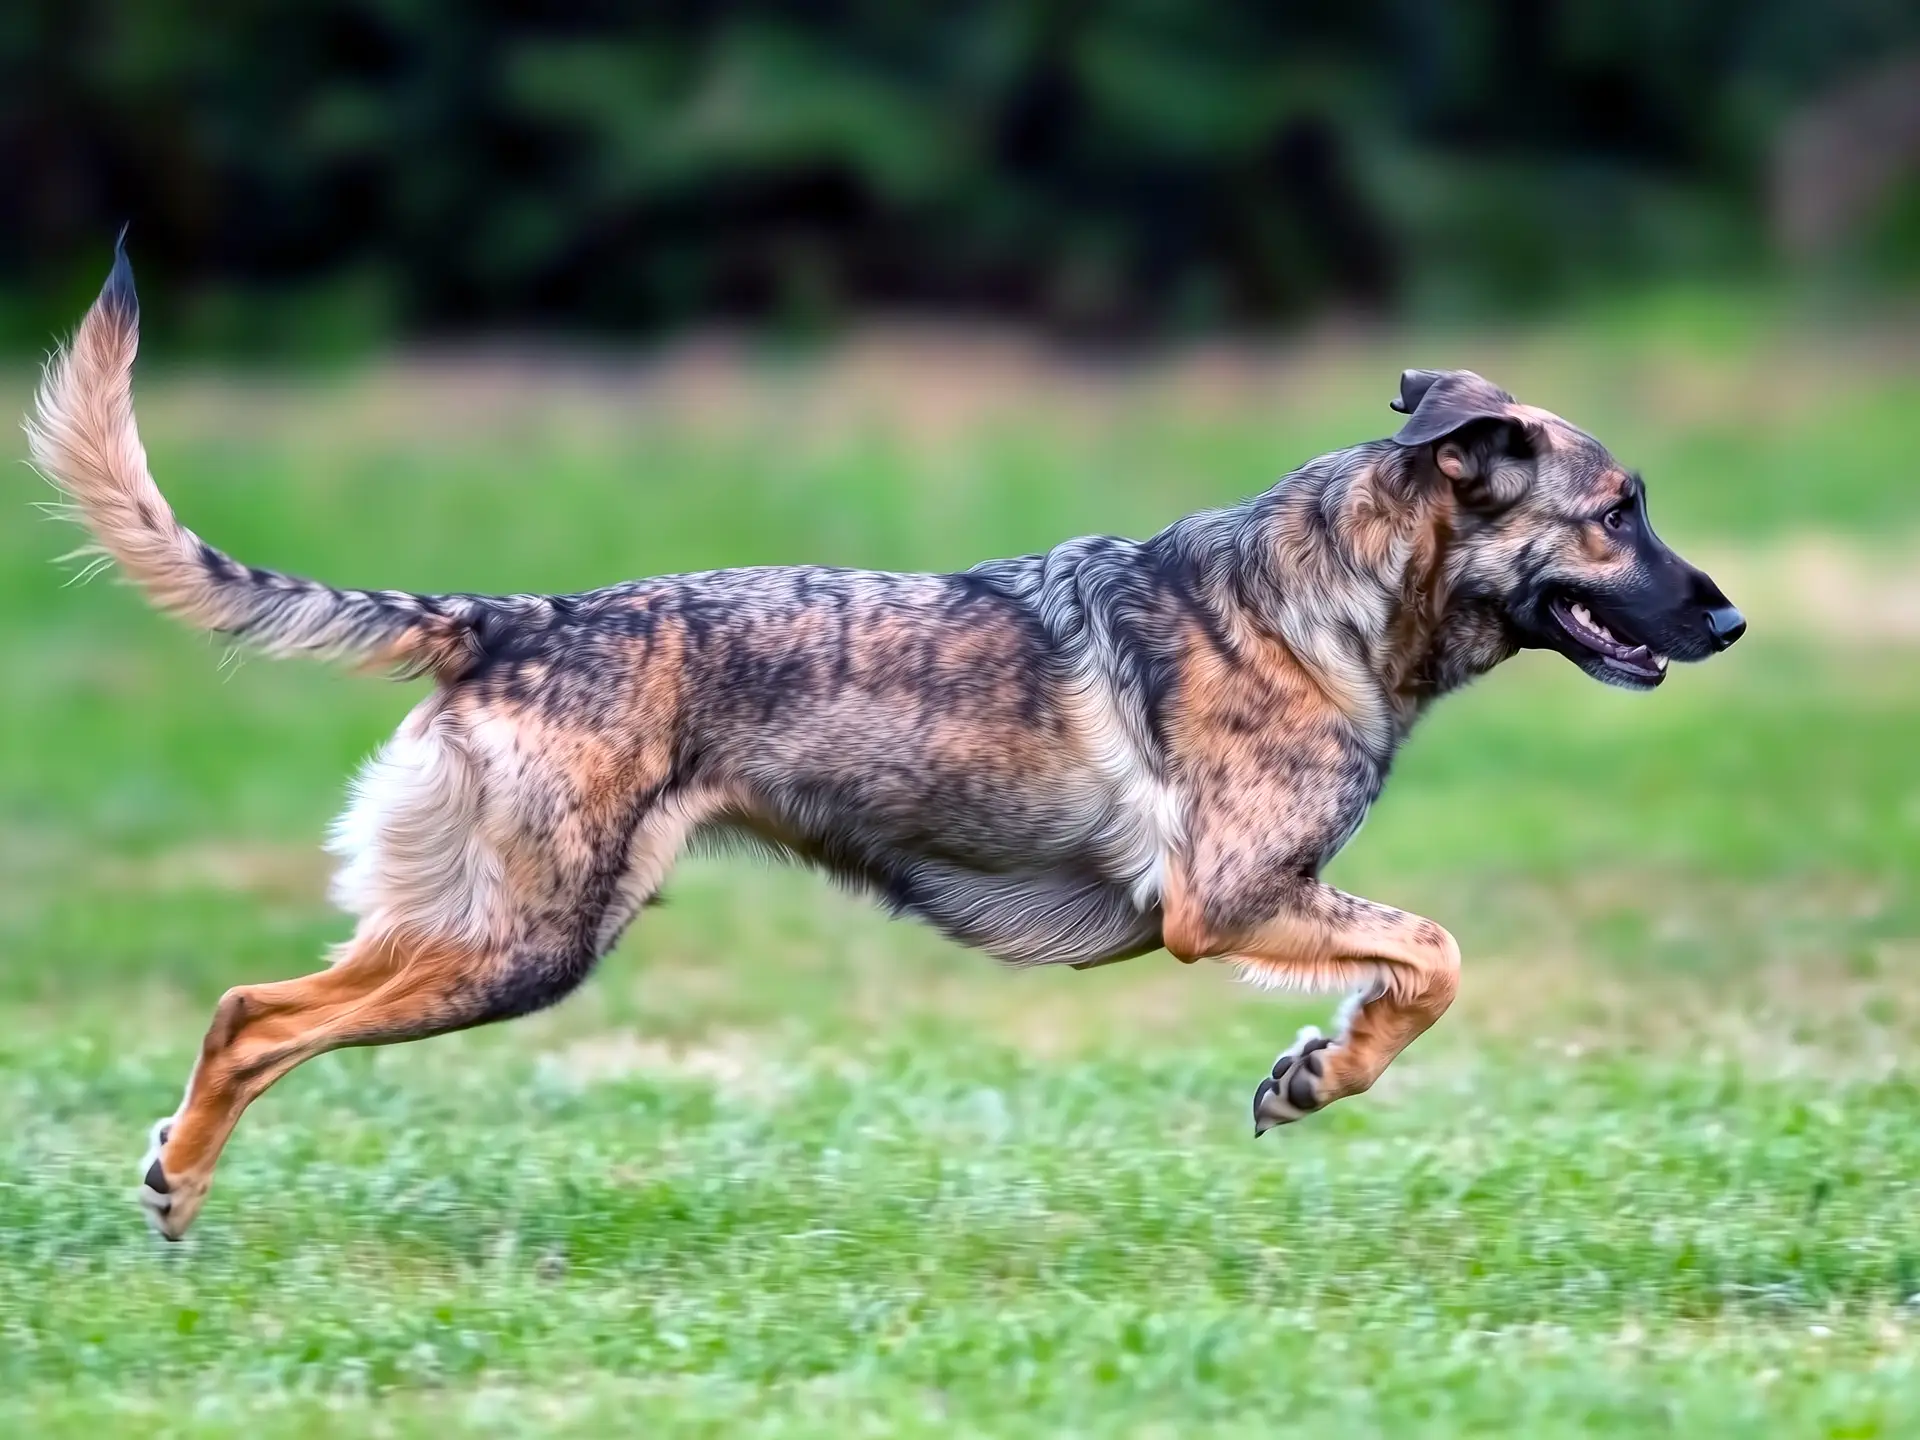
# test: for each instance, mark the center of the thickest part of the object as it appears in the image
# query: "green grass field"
(785, 1168)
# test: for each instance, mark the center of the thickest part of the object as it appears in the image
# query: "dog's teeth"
(1585, 617)
(1659, 662)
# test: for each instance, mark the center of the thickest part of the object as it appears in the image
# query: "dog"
(1073, 758)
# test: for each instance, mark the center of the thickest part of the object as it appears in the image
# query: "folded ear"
(1439, 402)
(1413, 385)
(1479, 443)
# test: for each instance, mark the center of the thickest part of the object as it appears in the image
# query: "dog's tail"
(84, 440)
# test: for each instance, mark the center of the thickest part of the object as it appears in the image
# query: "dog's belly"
(1054, 918)
(1031, 912)
(1033, 867)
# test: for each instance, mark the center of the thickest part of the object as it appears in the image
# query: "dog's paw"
(1293, 1088)
(158, 1196)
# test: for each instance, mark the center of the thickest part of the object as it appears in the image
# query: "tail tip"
(117, 296)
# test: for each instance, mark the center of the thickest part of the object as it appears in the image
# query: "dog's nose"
(1726, 625)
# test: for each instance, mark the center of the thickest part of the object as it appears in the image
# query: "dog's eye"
(1617, 517)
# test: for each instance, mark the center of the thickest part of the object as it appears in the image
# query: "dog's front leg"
(1403, 972)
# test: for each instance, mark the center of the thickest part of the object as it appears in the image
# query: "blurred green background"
(312, 173)
(500, 298)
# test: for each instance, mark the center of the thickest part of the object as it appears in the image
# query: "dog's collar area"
(1628, 657)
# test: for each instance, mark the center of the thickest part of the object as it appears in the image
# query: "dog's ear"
(1480, 444)
(1439, 402)
(1414, 385)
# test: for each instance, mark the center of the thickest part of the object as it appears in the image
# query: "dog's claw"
(1261, 1092)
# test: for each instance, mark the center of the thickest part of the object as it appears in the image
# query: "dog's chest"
(1137, 816)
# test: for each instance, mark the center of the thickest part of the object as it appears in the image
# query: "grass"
(784, 1168)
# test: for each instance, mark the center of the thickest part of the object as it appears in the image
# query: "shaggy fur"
(1067, 758)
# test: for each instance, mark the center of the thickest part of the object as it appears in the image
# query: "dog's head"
(1552, 535)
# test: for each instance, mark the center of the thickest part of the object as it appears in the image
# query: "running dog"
(1071, 758)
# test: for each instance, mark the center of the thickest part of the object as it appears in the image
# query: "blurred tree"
(1133, 165)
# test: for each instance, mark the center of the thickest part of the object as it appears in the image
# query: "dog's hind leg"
(386, 987)
(397, 981)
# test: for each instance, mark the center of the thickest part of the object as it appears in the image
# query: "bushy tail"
(84, 440)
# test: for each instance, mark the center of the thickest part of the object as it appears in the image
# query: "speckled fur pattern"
(1071, 758)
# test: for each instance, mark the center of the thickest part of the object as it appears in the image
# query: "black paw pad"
(1303, 1085)
(1304, 1055)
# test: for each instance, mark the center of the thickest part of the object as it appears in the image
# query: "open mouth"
(1636, 661)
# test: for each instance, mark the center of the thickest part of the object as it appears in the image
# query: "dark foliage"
(1131, 164)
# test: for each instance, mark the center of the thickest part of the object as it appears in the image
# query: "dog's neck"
(1348, 564)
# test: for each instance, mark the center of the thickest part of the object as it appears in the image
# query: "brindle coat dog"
(1069, 758)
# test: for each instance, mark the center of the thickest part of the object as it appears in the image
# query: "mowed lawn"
(784, 1167)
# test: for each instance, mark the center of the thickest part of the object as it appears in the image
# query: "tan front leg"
(1403, 971)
